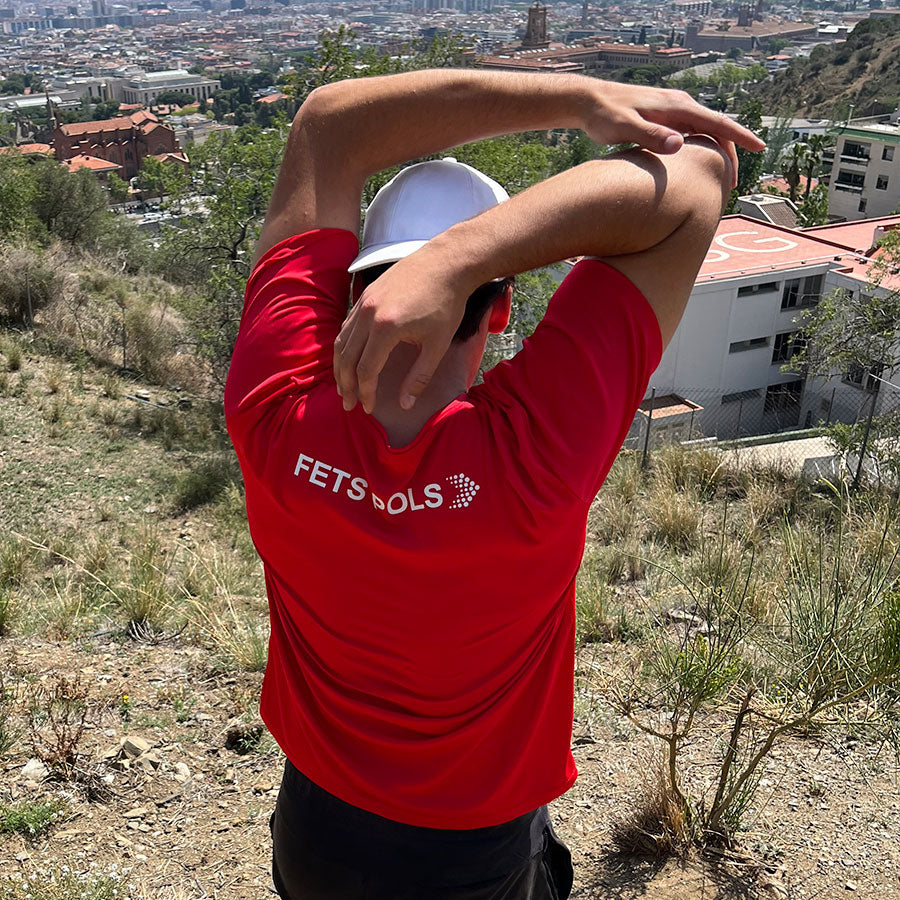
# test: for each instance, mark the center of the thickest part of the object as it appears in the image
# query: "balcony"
(850, 188)
(855, 160)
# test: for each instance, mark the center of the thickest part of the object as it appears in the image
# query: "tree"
(815, 147)
(17, 191)
(642, 37)
(105, 109)
(211, 247)
(749, 164)
(119, 189)
(856, 330)
(7, 132)
(174, 98)
(813, 210)
(792, 168)
(779, 136)
(71, 205)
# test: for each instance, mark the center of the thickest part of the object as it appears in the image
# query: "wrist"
(583, 100)
(450, 254)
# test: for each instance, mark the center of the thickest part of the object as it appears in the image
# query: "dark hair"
(479, 302)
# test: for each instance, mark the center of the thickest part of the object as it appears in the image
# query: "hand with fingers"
(415, 302)
(657, 119)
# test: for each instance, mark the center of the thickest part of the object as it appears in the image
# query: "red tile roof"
(28, 148)
(83, 161)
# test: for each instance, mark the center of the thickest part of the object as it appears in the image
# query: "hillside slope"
(863, 71)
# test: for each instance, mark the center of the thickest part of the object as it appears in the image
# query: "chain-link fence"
(788, 422)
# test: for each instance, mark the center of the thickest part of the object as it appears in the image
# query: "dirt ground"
(826, 825)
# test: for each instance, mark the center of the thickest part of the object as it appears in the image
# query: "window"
(887, 153)
(786, 345)
(752, 344)
(812, 289)
(862, 204)
(782, 397)
(859, 151)
(881, 184)
(865, 378)
(738, 396)
(790, 294)
(850, 181)
(802, 291)
(748, 290)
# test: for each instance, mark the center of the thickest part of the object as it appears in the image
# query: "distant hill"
(863, 71)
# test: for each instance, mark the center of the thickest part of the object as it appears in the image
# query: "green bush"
(30, 280)
(203, 483)
(28, 818)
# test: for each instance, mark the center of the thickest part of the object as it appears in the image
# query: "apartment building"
(865, 171)
(722, 375)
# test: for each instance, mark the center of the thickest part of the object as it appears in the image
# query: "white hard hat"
(419, 202)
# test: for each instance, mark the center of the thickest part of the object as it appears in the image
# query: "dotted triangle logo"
(466, 489)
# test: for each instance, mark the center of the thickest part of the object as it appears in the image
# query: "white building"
(145, 88)
(865, 174)
(721, 375)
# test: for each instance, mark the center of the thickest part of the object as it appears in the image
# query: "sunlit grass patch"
(62, 882)
(28, 817)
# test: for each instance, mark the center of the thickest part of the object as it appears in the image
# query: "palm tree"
(792, 167)
(815, 147)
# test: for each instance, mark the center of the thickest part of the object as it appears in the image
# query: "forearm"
(618, 205)
(373, 123)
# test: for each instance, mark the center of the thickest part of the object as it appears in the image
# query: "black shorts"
(325, 849)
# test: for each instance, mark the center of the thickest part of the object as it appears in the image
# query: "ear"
(500, 312)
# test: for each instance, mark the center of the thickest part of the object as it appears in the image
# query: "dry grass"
(656, 824)
(62, 882)
(592, 594)
(674, 516)
(699, 471)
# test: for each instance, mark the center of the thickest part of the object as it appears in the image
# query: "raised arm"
(651, 217)
(347, 131)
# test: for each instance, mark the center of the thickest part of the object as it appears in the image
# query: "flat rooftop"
(858, 236)
(668, 405)
(744, 246)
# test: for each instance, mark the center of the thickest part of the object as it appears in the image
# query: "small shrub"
(61, 883)
(7, 611)
(202, 484)
(9, 733)
(54, 376)
(57, 714)
(591, 602)
(244, 739)
(111, 386)
(55, 410)
(30, 280)
(698, 470)
(238, 638)
(624, 478)
(674, 516)
(657, 824)
(144, 596)
(152, 334)
(14, 357)
(108, 414)
(29, 818)
(613, 564)
(14, 560)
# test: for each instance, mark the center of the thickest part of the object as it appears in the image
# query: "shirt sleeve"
(574, 387)
(294, 304)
